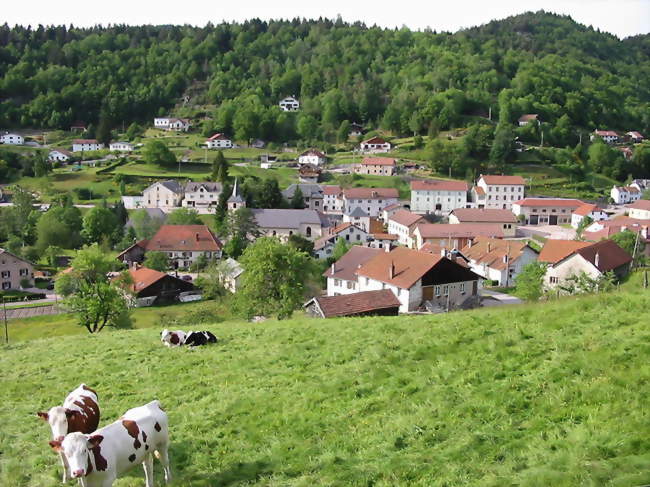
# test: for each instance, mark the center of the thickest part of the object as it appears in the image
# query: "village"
(448, 245)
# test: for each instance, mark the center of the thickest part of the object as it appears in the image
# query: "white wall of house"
(514, 269)
(201, 198)
(572, 266)
(289, 104)
(133, 202)
(337, 287)
(501, 196)
(311, 159)
(159, 196)
(184, 259)
(371, 206)
(639, 214)
(403, 233)
(56, 156)
(120, 146)
(408, 298)
(375, 148)
(332, 203)
(12, 139)
(219, 144)
(87, 147)
(596, 216)
(13, 270)
(441, 202)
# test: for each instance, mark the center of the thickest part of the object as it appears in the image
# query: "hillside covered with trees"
(400, 80)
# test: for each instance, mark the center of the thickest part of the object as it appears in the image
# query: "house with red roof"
(528, 118)
(587, 210)
(505, 218)
(352, 234)
(375, 145)
(149, 285)
(608, 136)
(640, 210)
(377, 166)
(370, 201)
(454, 235)
(499, 260)
(183, 245)
(402, 223)
(593, 259)
(438, 196)
(368, 303)
(494, 191)
(420, 280)
(312, 156)
(342, 274)
(545, 211)
(219, 141)
(635, 136)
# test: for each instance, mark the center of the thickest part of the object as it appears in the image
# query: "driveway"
(494, 298)
(553, 232)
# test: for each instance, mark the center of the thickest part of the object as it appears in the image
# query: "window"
(6, 274)
(462, 287)
(350, 285)
(554, 280)
(6, 285)
(358, 237)
(367, 281)
(399, 291)
(337, 282)
(445, 289)
(437, 290)
(308, 231)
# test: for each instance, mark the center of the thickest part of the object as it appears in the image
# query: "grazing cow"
(98, 459)
(191, 338)
(80, 412)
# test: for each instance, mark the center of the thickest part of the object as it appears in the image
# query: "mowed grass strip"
(552, 394)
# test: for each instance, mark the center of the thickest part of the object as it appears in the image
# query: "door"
(427, 293)
(534, 219)
(552, 219)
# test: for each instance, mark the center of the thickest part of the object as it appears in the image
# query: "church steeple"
(235, 201)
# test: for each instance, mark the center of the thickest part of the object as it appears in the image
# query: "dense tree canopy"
(408, 82)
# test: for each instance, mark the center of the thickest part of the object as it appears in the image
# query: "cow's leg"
(148, 470)
(64, 462)
(163, 455)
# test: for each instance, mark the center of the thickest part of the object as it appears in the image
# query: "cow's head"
(57, 417)
(76, 448)
(171, 338)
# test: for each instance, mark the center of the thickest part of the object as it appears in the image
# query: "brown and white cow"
(98, 459)
(80, 412)
(172, 338)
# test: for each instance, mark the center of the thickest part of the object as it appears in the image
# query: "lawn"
(553, 394)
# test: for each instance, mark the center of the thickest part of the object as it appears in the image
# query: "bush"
(83, 193)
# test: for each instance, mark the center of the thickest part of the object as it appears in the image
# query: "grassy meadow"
(533, 395)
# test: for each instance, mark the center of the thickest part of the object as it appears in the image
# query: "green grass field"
(546, 395)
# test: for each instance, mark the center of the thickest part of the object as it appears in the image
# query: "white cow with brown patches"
(79, 413)
(98, 459)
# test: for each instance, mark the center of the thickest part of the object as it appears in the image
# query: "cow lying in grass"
(79, 413)
(98, 459)
(191, 338)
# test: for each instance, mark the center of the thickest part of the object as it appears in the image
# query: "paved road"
(497, 299)
(32, 311)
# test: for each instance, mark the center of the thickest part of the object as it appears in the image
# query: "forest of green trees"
(403, 81)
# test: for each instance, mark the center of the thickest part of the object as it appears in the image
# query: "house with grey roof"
(312, 194)
(203, 194)
(283, 223)
(163, 194)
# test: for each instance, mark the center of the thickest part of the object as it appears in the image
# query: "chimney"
(197, 237)
(505, 259)
(489, 247)
(391, 270)
(387, 248)
(597, 259)
(333, 267)
(443, 252)
(470, 243)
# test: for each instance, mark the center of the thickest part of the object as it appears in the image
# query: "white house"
(498, 260)
(232, 274)
(342, 274)
(121, 146)
(505, 218)
(332, 199)
(289, 104)
(440, 197)
(635, 136)
(498, 191)
(402, 223)
(83, 145)
(172, 124)
(312, 156)
(608, 136)
(375, 145)
(202, 195)
(12, 139)
(545, 211)
(625, 194)
(59, 155)
(593, 259)
(640, 210)
(370, 200)
(587, 210)
(218, 141)
(133, 202)
(163, 194)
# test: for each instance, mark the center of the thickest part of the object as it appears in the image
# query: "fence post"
(4, 307)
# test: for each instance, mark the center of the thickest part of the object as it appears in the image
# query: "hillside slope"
(553, 394)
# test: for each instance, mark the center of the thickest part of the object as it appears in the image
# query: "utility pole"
(4, 306)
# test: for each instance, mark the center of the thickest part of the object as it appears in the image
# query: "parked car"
(186, 278)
